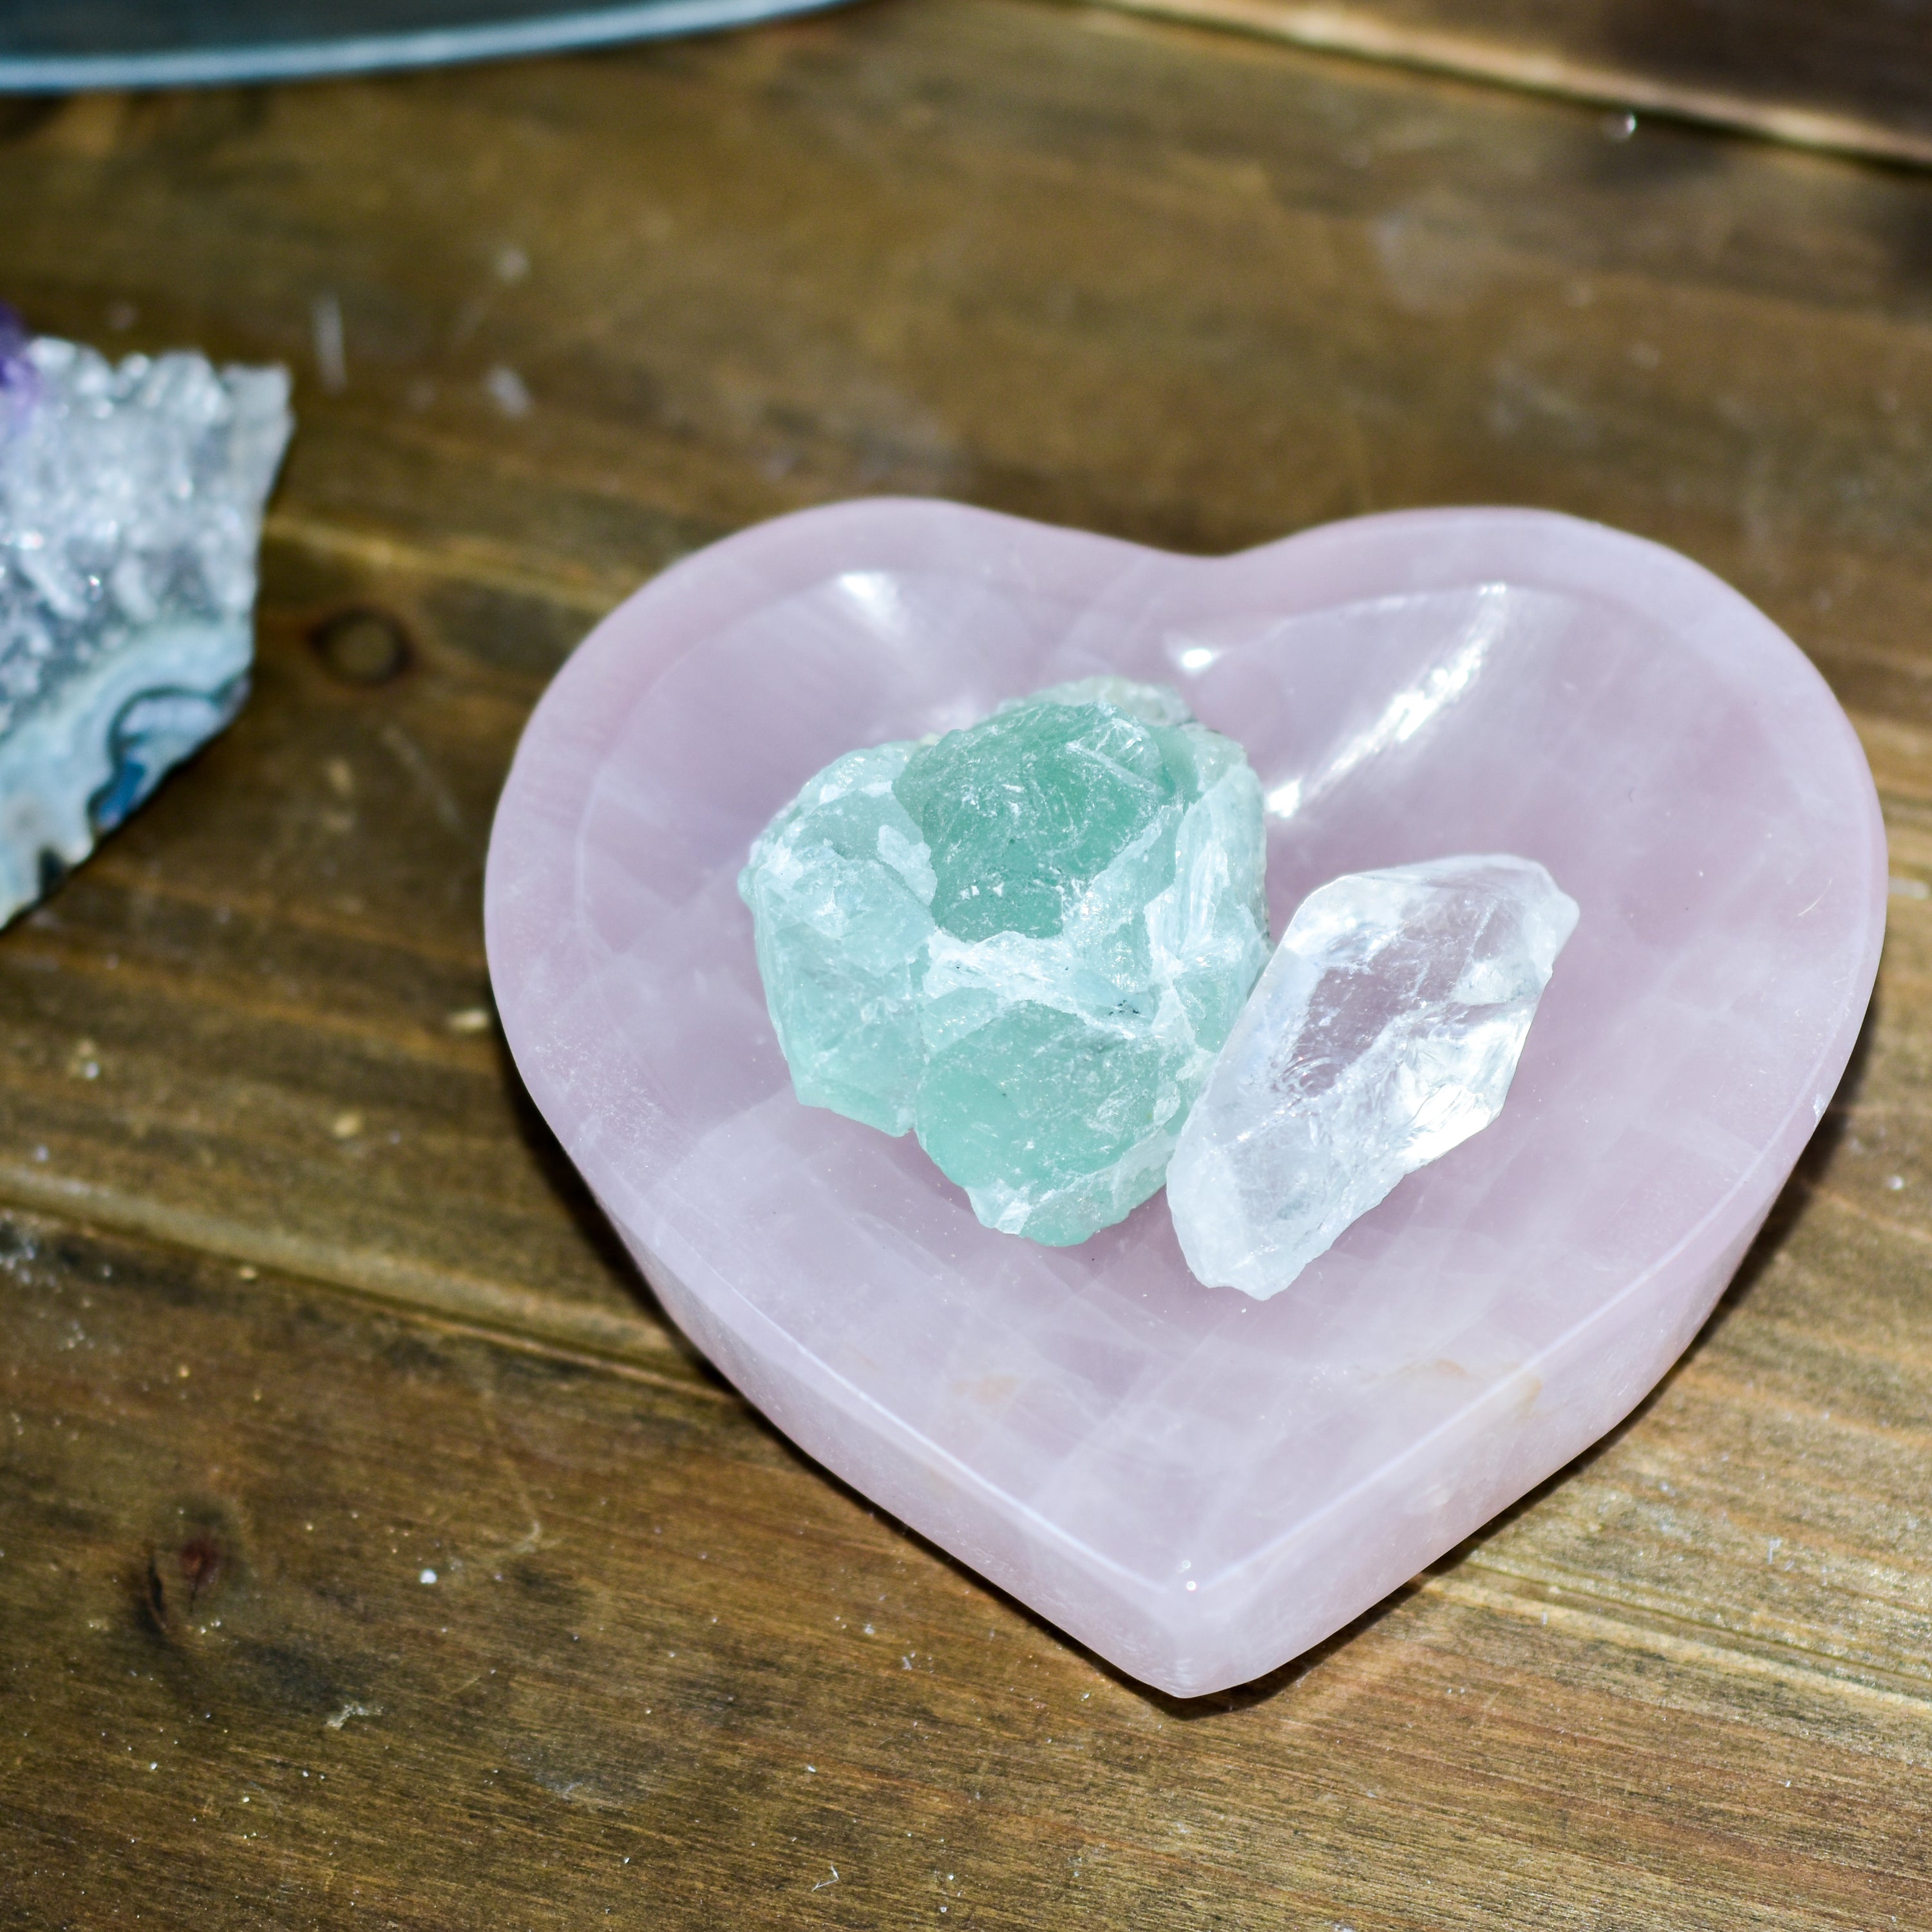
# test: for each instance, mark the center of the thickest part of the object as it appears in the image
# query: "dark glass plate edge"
(370, 53)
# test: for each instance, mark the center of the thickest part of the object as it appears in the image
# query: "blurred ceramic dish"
(56, 46)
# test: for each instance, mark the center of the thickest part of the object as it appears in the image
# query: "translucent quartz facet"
(1385, 1031)
(1195, 1484)
(1026, 939)
(131, 506)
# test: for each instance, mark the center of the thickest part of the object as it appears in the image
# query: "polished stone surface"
(1026, 939)
(1385, 1031)
(1197, 1485)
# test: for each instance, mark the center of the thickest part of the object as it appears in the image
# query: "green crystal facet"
(1027, 940)
(1023, 813)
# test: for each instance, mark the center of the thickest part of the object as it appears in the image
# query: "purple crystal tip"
(16, 373)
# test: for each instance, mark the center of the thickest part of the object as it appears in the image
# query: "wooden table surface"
(371, 1553)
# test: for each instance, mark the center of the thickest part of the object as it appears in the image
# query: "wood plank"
(259, 1022)
(1182, 287)
(623, 1654)
(1851, 76)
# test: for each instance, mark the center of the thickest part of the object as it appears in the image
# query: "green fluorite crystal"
(1027, 940)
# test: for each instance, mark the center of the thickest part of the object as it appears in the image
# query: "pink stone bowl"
(1198, 1486)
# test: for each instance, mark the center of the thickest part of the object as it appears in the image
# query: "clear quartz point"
(1385, 1031)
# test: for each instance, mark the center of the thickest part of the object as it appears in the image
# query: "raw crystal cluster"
(1385, 1031)
(130, 504)
(1025, 940)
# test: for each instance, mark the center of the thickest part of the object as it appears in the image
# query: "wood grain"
(260, 1022)
(255, 1122)
(1851, 77)
(610, 1648)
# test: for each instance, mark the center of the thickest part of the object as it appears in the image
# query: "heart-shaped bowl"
(1195, 1485)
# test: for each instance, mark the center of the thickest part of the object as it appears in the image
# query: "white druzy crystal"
(1385, 1031)
(131, 509)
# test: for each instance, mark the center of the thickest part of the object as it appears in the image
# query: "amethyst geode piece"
(130, 506)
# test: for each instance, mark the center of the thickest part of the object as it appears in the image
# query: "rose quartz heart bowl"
(1195, 1485)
